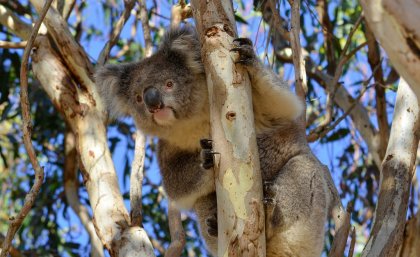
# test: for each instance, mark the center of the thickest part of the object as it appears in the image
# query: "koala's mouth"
(163, 116)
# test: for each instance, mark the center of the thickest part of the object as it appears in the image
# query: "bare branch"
(14, 24)
(322, 131)
(75, 57)
(396, 175)
(337, 74)
(381, 113)
(146, 28)
(298, 62)
(395, 25)
(13, 45)
(103, 56)
(352, 242)
(180, 12)
(71, 165)
(16, 222)
(177, 232)
(136, 180)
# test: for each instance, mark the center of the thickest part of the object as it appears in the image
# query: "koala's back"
(300, 195)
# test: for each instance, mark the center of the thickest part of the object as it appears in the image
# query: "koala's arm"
(273, 101)
(183, 177)
(111, 83)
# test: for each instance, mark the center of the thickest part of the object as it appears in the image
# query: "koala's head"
(162, 90)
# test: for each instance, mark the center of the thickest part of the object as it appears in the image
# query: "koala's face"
(163, 92)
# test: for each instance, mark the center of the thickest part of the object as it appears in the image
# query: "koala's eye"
(169, 84)
(139, 99)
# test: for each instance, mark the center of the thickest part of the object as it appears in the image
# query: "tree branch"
(395, 25)
(240, 212)
(13, 45)
(177, 232)
(298, 62)
(396, 174)
(30, 197)
(103, 56)
(14, 24)
(136, 180)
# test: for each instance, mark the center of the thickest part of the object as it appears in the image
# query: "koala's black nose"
(152, 99)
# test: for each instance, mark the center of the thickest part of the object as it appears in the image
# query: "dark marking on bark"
(413, 46)
(231, 115)
(212, 31)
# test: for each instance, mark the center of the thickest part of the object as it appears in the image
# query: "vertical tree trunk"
(238, 178)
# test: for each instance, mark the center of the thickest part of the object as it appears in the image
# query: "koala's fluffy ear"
(184, 41)
(113, 88)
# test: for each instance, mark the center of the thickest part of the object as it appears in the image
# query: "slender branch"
(396, 175)
(14, 24)
(177, 232)
(103, 56)
(146, 28)
(136, 180)
(71, 165)
(337, 74)
(16, 222)
(352, 242)
(374, 61)
(13, 45)
(315, 135)
(298, 61)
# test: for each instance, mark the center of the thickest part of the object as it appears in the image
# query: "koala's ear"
(184, 41)
(112, 84)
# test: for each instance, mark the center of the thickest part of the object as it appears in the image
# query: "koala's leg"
(273, 101)
(206, 211)
(184, 178)
(295, 227)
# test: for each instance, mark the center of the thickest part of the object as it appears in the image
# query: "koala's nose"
(152, 99)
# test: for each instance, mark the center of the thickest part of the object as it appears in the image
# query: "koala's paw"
(207, 154)
(211, 223)
(246, 53)
(269, 193)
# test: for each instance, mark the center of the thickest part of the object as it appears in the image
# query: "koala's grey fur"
(295, 222)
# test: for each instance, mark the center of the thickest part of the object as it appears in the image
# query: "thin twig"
(103, 56)
(337, 74)
(352, 242)
(16, 222)
(13, 45)
(321, 133)
(338, 71)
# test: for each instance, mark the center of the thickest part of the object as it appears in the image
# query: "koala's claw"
(207, 154)
(269, 193)
(245, 51)
(211, 223)
(243, 41)
(269, 201)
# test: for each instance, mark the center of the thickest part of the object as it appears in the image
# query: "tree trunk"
(238, 178)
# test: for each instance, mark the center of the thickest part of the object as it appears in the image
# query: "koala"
(166, 94)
